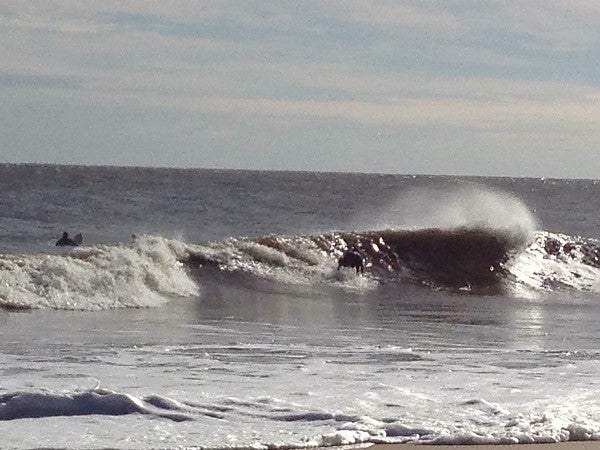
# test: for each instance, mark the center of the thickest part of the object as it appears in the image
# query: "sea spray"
(466, 206)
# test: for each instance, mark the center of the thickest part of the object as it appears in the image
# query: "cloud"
(561, 25)
(497, 67)
(16, 79)
(389, 12)
(498, 114)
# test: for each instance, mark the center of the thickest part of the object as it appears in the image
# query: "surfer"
(352, 258)
(65, 240)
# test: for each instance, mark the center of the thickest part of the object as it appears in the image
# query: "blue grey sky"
(465, 87)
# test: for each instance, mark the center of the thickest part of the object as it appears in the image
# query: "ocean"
(205, 308)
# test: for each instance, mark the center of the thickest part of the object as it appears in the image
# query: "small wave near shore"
(501, 426)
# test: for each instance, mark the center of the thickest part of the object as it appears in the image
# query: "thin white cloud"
(496, 114)
(379, 12)
(58, 25)
(462, 113)
(558, 25)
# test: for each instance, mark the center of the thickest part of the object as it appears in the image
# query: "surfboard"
(78, 239)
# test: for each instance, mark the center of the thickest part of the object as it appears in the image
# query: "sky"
(456, 87)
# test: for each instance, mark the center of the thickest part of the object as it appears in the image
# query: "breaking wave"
(151, 270)
(445, 258)
(144, 273)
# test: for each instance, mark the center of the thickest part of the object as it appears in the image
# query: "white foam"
(297, 261)
(144, 273)
(268, 413)
(264, 254)
(535, 268)
(346, 278)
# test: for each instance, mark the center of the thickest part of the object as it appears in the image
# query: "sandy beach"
(585, 445)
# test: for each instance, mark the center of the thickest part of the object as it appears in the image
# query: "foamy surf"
(489, 423)
(145, 273)
(555, 261)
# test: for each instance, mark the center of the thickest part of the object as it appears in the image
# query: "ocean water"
(205, 309)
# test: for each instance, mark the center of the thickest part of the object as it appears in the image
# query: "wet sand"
(586, 445)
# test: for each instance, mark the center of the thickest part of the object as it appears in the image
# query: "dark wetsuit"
(66, 241)
(352, 258)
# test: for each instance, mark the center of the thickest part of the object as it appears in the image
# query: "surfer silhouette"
(65, 240)
(352, 258)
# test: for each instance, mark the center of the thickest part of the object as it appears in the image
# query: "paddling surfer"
(65, 240)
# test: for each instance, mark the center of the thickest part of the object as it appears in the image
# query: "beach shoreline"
(568, 445)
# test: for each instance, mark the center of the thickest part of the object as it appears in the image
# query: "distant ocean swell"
(151, 269)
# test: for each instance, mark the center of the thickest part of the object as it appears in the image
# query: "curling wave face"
(151, 270)
(446, 258)
(465, 259)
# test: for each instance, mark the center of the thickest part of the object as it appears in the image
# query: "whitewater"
(205, 309)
